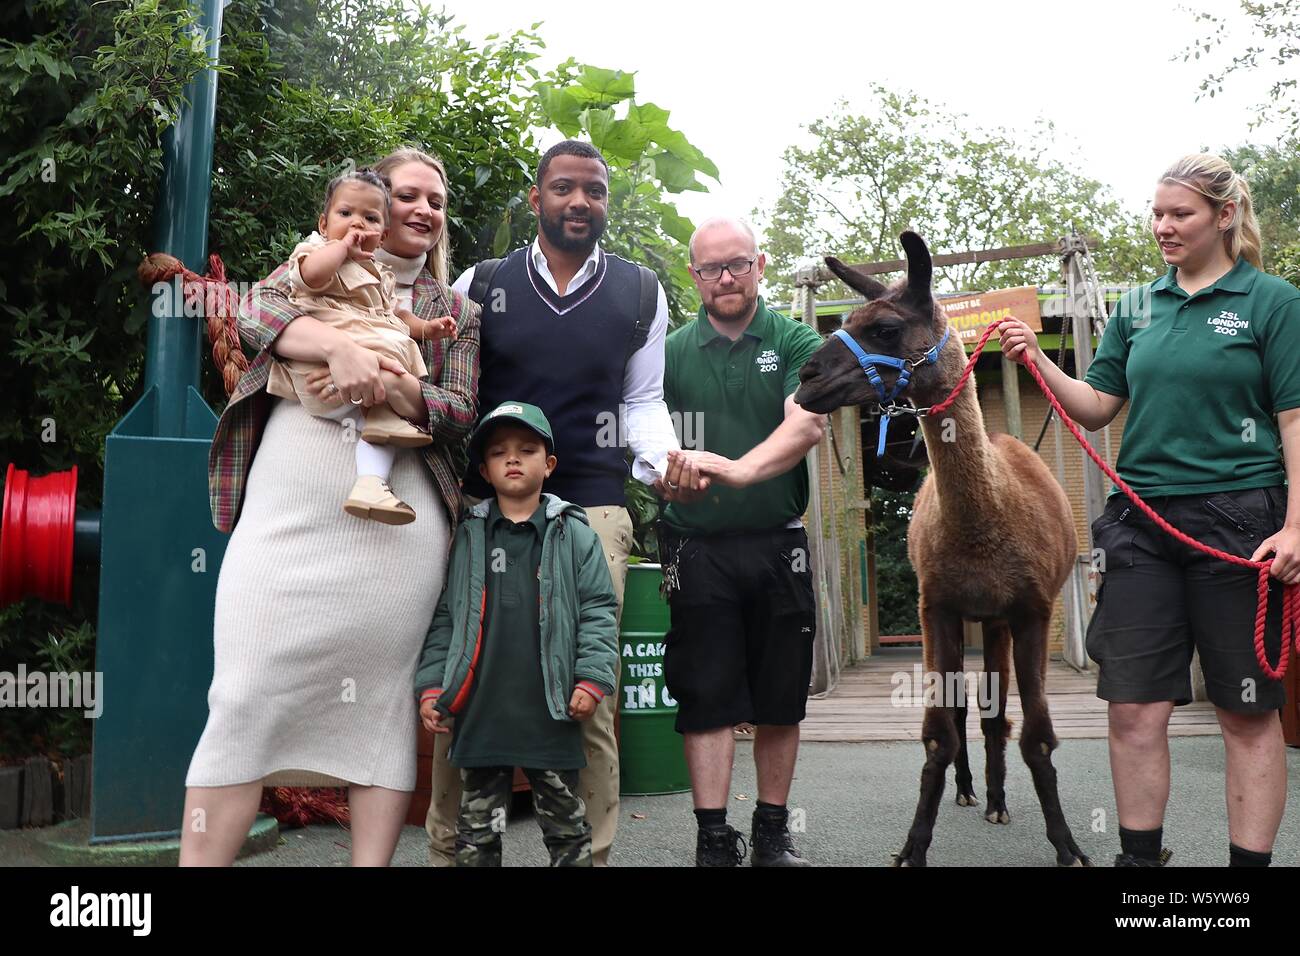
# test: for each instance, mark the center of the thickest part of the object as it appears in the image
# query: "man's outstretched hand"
(682, 482)
(716, 468)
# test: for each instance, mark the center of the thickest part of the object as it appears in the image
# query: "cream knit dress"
(320, 618)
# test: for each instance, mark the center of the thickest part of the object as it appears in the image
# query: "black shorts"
(1160, 598)
(740, 647)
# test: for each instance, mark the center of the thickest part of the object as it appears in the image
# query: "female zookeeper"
(1208, 358)
(320, 616)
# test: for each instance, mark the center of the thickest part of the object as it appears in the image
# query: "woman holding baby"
(330, 579)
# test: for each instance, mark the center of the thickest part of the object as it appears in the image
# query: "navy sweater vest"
(566, 355)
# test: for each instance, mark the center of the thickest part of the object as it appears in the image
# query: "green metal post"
(181, 228)
(160, 553)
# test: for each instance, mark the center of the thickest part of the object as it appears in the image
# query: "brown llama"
(991, 538)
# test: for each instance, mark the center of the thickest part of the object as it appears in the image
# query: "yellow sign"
(970, 315)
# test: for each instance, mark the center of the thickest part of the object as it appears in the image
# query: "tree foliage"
(307, 88)
(87, 92)
(1274, 27)
(907, 163)
(1273, 173)
(649, 163)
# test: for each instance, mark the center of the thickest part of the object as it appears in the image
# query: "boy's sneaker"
(773, 845)
(719, 847)
(385, 427)
(1128, 859)
(372, 498)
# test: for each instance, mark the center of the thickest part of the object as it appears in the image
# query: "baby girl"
(337, 280)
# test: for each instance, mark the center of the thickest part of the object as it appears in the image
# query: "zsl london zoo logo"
(1227, 323)
(767, 361)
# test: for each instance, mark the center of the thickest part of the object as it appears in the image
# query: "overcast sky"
(740, 79)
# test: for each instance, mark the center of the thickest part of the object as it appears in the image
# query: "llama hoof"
(909, 855)
(966, 800)
(993, 815)
(1079, 860)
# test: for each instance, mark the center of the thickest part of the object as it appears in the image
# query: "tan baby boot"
(385, 427)
(372, 498)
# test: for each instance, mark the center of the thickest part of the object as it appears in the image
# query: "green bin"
(651, 759)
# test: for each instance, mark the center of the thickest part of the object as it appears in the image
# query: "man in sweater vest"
(560, 331)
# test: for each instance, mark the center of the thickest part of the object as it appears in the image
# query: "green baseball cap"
(530, 416)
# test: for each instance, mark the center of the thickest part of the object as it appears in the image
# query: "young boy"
(522, 647)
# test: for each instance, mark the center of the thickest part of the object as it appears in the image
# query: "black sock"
(771, 814)
(1239, 857)
(1143, 844)
(711, 819)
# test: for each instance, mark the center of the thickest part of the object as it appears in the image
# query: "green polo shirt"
(729, 397)
(1205, 376)
(507, 722)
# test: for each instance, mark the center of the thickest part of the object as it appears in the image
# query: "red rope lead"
(1290, 593)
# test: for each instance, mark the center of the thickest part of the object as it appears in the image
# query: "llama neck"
(961, 458)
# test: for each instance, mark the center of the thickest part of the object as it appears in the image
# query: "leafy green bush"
(87, 91)
(1287, 263)
(896, 590)
(306, 87)
(649, 161)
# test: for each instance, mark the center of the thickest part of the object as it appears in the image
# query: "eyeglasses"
(737, 268)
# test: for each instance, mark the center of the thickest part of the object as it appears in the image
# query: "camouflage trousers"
(485, 793)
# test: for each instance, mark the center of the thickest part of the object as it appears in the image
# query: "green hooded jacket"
(578, 611)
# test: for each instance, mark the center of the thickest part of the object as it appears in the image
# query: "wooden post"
(11, 797)
(831, 554)
(38, 793)
(76, 788)
(873, 606)
(1011, 397)
(849, 491)
(872, 620)
(1080, 302)
(826, 646)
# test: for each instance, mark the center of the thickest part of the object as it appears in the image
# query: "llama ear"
(854, 279)
(919, 267)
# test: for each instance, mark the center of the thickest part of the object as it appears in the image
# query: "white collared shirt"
(649, 428)
(578, 281)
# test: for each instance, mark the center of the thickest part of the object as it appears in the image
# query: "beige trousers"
(598, 781)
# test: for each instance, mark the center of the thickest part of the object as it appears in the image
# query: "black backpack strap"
(647, 306)
(484, 273)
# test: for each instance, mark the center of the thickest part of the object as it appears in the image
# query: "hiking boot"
(372, 498)
(385, 427)
(721, 847)
(773, 845)
(1128, 859)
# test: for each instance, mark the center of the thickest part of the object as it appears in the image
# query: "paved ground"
(857, 801)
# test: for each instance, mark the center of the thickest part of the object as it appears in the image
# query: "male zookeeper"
(740, 648)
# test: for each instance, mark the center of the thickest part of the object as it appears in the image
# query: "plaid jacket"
(450, 391)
